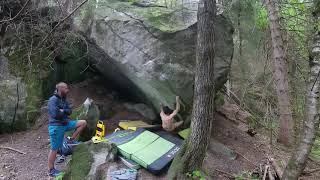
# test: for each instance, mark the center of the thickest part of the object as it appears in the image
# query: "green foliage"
(251, 74)
(296, 22)
(295, 16)
(261, 18)
(196, 175)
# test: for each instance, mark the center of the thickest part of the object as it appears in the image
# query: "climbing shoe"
(54, 172)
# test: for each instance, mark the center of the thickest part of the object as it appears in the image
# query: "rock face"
(143, 109)
(12, 100)
(149, 51)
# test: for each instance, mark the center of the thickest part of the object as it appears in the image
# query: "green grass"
(60, 177)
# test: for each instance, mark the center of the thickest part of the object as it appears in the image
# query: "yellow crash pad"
(133, 125)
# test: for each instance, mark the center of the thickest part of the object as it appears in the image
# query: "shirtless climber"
(59, 122)
(167, 116)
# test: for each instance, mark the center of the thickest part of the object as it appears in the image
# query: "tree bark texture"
(193, 152)
(285, 135)
(299, 157)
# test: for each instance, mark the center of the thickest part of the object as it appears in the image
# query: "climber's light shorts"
(56, 133)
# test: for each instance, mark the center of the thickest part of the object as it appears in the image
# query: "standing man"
(59, 122)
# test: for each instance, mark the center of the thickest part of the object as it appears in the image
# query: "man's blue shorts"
(56, 133)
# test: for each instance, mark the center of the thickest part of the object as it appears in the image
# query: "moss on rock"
(33, 78)
(156, 16)
(80, 164)
(87, 158)
(36, 78)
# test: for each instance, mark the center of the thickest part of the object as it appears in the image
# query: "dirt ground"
(251, 151)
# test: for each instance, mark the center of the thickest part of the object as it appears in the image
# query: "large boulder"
(88, 160)
(12, 100)
(149, 51)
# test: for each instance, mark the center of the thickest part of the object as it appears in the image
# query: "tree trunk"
(299, 157)
(242, 64)
(285, 135)
(193, 152)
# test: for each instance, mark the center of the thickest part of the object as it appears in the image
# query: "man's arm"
(67, 110)
(161, 107)
(162, 115)
(53, 109)
(175, 112)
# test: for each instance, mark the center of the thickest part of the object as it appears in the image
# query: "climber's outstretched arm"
(175, 112)
(161, 107)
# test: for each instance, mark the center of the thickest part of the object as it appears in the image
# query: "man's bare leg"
(81, 124)
(51, 158)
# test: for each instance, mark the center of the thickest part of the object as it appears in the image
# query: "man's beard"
(63, 94)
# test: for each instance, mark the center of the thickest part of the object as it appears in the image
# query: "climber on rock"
(59, 122)
(167, 116)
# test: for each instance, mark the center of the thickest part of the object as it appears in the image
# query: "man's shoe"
(54, 172)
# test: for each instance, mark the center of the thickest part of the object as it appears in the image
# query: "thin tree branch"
(11, 19)
(61, 22)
